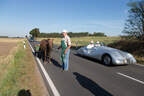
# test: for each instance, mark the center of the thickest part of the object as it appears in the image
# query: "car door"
(88, 51)
(96, 52)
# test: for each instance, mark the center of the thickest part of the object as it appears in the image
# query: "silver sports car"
(107, 55)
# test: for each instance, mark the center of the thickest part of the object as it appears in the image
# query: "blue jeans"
(66, 61)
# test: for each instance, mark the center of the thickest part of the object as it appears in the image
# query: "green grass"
(82, 41)
(9, 85)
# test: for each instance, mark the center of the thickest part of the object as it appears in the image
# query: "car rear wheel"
(107, 60)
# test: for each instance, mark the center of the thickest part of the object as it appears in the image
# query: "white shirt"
(67, 40)
(97, 45)
(90, 46)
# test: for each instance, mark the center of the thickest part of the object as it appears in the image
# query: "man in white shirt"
(65, 45)
(91, 45)
(97, 44)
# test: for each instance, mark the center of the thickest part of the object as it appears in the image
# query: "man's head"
(64, 33)
(97, 42)
(92, 42)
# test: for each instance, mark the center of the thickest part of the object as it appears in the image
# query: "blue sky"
(18, 17)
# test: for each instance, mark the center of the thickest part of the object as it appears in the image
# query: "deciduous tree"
(134, 25)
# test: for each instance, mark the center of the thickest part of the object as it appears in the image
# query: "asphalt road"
(88, 77)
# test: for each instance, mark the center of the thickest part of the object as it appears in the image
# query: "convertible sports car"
(107, 55)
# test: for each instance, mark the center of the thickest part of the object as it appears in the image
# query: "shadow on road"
(91, 85)
(24, 92)
(56, 63)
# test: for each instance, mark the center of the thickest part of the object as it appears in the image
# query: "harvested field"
(11, 40)
(7, 44)
(5, 48)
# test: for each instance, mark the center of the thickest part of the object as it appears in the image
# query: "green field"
(82, 41)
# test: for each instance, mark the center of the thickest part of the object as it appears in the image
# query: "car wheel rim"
(107, 60)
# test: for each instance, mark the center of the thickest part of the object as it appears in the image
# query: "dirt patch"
(5, 48)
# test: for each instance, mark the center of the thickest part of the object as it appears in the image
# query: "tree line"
(36, 33)
(71, 34)
(3, 36)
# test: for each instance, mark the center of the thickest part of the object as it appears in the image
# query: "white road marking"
(50, 82)
(31, 47)
(131, 78)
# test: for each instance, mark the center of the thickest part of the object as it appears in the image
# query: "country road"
(88, 77)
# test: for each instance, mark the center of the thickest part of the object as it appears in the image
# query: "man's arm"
(67, 49)
(69, 45)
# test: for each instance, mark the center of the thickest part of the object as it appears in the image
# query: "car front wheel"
(107, 60)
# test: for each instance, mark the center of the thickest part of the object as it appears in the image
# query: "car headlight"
(118, 61)
(125, 61)
(121, 61)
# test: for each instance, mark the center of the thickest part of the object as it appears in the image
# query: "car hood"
(110, 50)
(114, 51)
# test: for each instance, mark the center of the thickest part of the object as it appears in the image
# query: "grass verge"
(21, 73)
(9, 85)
